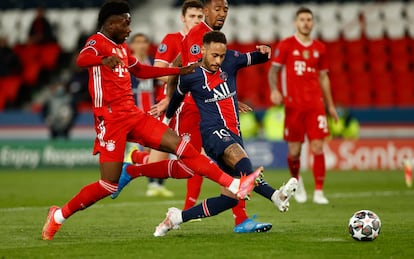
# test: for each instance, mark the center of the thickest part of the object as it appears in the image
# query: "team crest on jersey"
(195, 49)
(316, 54)
(162, 48)
(224, 76)
(306, 54)
(236, 54)
(91, 43)
(296, 52)
(110, 145)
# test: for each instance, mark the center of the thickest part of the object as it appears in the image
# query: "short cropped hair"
(214, 36)
(191, 4)
(139, 34)
(110, 8)
(303, 10)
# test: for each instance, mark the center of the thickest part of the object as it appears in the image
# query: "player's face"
(213, 56)
(193, 16)
(216, 13)
(304, 23)
(140, 46)
(120, 27)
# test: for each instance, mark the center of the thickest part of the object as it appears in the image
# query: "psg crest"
(195, 49)
(224, 76)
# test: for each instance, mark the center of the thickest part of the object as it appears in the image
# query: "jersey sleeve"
(90, 54)
(246, 59)
(177, 97)
(323, 60)
(167, 51)
(280, 55)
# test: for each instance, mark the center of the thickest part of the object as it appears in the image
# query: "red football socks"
(294, 166)
(139, 157)
(193, 191)
(161, 170)
(239, 212)
(319, 170)
(87, 196)
(200, 164)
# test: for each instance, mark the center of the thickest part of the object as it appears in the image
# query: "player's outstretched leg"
(87, 196)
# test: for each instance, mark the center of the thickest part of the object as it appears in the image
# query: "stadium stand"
(370, 44)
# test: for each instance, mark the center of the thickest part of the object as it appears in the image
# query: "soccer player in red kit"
(167, 52)
(306, 95)
(117, 120)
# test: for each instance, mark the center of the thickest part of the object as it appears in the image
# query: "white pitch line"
(170, 202)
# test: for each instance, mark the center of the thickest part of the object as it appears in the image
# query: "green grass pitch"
(123, 228)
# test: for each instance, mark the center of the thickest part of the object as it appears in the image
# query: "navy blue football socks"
(209, 207)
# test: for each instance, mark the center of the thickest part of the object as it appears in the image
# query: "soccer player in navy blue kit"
(213, 88)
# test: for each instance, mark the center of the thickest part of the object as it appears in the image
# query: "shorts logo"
(162, 48)
(110, 145)
(224, 76)
(195, 49)
(91, 42)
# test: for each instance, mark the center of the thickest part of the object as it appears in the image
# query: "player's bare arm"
(275, 95)
(327, 95)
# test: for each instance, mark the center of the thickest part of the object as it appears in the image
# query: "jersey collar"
(103, 35)
(205, 24)
(305, 44)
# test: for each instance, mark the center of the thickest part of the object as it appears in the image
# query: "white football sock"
(58, 216)
(234, 186)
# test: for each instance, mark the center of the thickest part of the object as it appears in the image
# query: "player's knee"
(170, 141)
(316, 146)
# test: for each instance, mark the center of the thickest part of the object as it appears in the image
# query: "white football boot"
(300, 194)
(281, 197)
(172, 221)
(319, 197)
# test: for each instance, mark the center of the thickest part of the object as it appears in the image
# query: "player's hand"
(264, 49)
(244, 108)
(276, 97)
(160, 107)
(189, 69)
(332, 112)
(112, 61)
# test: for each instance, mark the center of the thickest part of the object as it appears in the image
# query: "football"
(364, 225)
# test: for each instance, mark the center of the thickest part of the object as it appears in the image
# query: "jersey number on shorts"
(322, 123)
(221, 133)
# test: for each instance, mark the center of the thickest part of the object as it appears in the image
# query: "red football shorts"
(305, 121)
(187, 123)
(114, 129)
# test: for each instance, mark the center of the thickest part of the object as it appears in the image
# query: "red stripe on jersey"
(227, 110)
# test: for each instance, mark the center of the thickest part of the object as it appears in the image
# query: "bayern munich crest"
(195, 49)
(162, 48)
(224, 76)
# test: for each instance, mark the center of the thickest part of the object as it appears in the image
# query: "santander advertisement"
(364, 154)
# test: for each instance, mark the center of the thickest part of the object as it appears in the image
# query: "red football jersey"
(191, 47)
(300, 73)
(167, 52)
(106, 86)
(169, 48)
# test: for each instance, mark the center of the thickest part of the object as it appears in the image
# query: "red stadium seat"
(361, 90)
(404, 89)
(340, 88)
(399, 48)
(383, 90)
(49, 54)
(9, 87)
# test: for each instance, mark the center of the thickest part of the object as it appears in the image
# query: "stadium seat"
(25, 21)
(371, 12)
(395, 29)
(69, 29)
(361, 89)
(392, 10)
(352, 31)
(327, 12)
(9, 24)
(88, 20)
(383, 90)
(329, 30)
(404, 89)
(349, 13)
(374, 30)
(286, 13)
(340, 86)
(9, 87)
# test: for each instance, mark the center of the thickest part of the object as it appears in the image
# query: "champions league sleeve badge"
(162, 48)
(195, 49)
